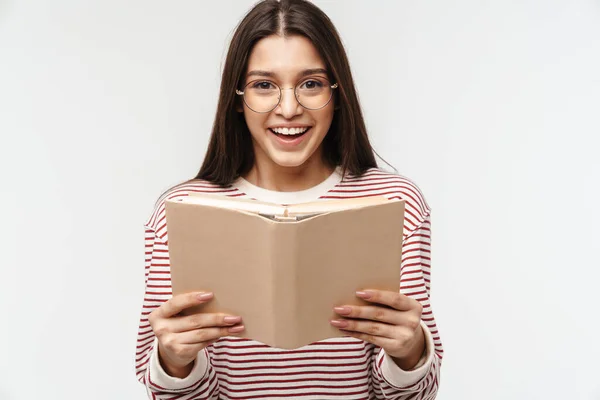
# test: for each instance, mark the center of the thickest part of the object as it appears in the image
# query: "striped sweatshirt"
(336, 368)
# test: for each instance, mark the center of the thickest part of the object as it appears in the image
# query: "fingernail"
(339, 323)
(343, 310)
(365, 294)
(205, 296)
(237, 329)
(232, 320)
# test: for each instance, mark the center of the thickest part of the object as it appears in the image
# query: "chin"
(289, 162)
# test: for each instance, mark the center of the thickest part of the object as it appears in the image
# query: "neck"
(288, 179)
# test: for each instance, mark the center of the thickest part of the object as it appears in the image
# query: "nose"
(288, 106)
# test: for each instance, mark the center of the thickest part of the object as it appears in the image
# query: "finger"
(383, 342)
(186, 351)
(207, 334)
(178, 303)
(394, 300)
(368, 327)
(373, 313)
(197, 321)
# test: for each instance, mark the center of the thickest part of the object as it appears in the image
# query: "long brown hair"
(230, 153)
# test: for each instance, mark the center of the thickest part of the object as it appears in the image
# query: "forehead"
(285, 57)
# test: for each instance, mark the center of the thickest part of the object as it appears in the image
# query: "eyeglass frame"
(241, 93)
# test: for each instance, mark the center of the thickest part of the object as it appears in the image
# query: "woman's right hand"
(180, 338)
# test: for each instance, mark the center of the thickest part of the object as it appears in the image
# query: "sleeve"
(201, 383)
(420, 383)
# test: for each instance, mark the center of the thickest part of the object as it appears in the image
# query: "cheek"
(324, 118)
(255, 122)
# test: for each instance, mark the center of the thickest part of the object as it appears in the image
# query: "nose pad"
(289, 105)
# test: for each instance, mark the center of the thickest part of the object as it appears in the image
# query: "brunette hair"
(230, 153)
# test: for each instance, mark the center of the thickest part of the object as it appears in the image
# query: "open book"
(284, 268)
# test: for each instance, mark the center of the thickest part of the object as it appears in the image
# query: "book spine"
(284, 260)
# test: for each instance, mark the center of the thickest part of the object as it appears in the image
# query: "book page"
(253, 206)
(325, 206)
(288, 212)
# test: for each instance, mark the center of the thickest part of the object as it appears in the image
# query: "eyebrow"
(306, 72)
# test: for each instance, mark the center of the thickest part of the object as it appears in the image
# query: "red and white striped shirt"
(339, 368)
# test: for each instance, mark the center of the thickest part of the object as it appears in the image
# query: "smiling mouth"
(290, 133)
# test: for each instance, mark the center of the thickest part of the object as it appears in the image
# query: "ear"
(336, 104)
(239, 105)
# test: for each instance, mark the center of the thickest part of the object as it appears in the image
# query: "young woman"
(289, 129)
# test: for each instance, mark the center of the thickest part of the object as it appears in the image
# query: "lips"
(291, 137)
(290, 133)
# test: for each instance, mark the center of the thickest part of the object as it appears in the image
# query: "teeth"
(289, 131)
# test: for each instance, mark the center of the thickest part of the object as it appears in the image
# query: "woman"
(289, 129)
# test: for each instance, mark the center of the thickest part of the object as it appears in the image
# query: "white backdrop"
(492, 107)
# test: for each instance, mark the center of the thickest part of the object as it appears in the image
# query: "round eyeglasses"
(263, 96)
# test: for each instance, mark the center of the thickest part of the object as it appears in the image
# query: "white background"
(492, 107)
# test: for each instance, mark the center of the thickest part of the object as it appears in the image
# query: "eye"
(262, 85)
(311, 84)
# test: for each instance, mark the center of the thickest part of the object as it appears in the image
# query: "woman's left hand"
(391, 322)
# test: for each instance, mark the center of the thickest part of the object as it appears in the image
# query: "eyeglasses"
(263, 96)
